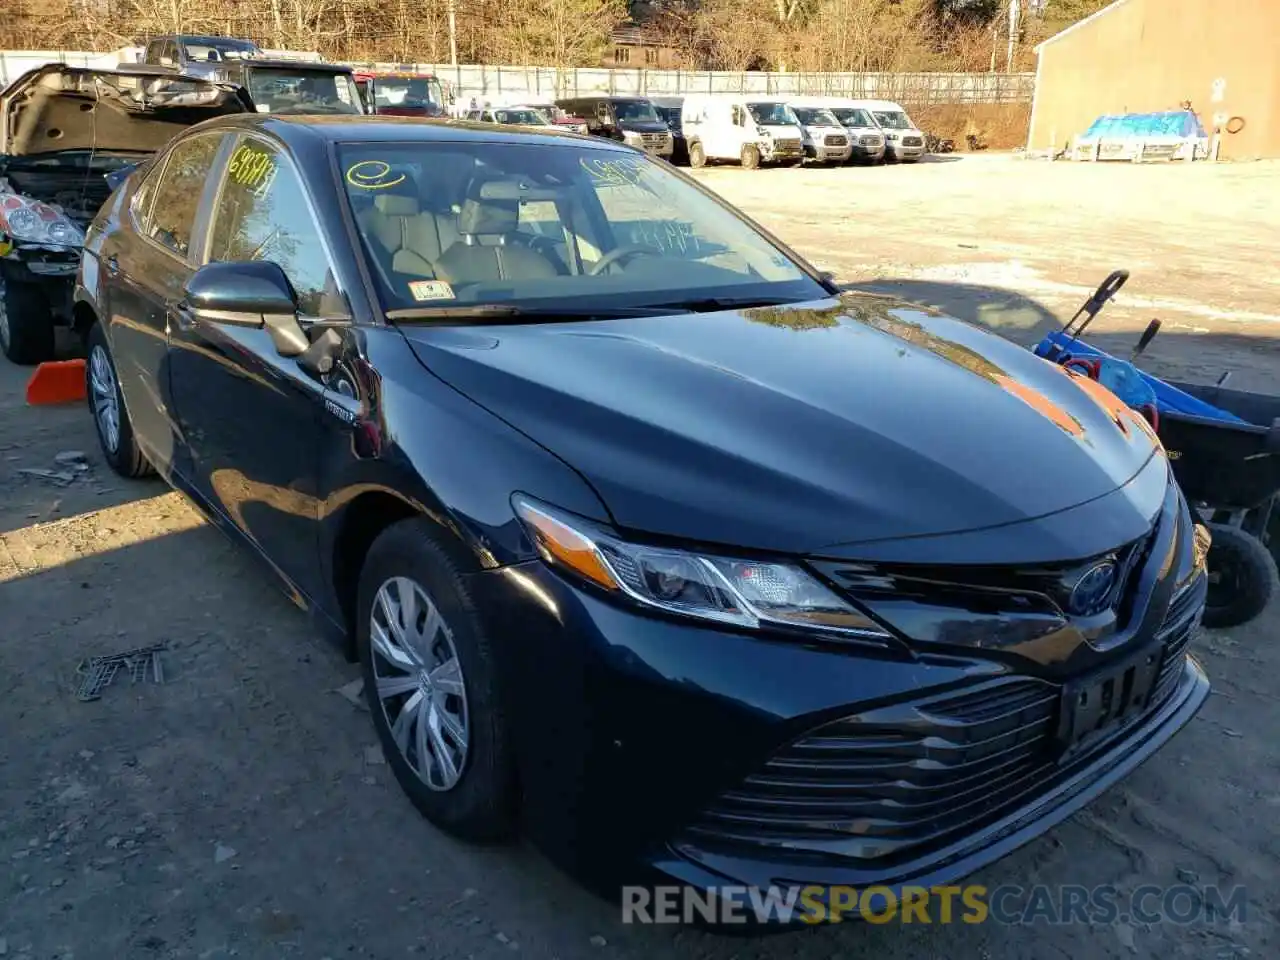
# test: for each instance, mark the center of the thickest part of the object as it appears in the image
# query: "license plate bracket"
(1106, 700)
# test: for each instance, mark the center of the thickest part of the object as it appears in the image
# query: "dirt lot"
(239, 809)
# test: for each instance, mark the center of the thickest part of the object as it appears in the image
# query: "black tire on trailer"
(26, 328)
(1242, 577)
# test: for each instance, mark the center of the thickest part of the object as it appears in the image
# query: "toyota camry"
(651, 542)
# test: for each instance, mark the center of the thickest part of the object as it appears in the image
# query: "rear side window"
(178, 192)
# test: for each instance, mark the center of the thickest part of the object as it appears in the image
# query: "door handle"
(112, 265)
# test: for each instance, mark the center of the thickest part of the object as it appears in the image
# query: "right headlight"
(746, 593)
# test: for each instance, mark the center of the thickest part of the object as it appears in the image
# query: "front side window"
(299, 90)
(262, 214)
(178, 192)
(771, 114)
(550, 225)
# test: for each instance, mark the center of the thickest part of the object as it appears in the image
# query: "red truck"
(401, 94)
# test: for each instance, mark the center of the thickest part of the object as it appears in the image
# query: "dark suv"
(632, 120)
(198, 55)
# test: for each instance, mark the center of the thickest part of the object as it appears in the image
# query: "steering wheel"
(617, 254)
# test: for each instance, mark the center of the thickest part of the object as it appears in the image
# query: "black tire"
(697, 155)
(26, 332)
(750, 156)
(126, 458)
(1242, 577)
(481, 805)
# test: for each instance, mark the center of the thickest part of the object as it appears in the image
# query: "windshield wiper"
(495, 311)
(708, 304)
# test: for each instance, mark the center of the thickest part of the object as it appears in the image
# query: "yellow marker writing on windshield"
(372, 175)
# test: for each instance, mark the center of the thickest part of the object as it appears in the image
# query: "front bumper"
(781, 151)
(825, 154)
(1075, 788)
(630, 729)
(900, 151)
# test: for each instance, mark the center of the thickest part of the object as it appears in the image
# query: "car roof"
(272, 63)
(206, 38)
(301, 130)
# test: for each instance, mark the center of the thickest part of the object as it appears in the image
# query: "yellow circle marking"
(368, 175)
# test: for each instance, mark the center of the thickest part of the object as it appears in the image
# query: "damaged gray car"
(67, 136)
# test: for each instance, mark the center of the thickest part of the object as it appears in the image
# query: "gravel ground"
(240, 809)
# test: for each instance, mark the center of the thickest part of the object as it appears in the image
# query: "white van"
(866, 139)
(903, 139)
(749, 130)
(825, 139)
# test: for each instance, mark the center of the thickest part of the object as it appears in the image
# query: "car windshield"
(526, 116)
(892, 119)
(771, 114)
(551, 227)
(407, 92)
(298, 90)
(634, 110)
(815, 117)
(853, 117)
(214, 49)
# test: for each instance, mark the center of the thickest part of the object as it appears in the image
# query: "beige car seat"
(413, 238)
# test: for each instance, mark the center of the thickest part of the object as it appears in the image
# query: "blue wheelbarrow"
(1223, 446)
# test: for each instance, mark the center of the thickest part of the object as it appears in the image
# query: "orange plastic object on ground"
(60, 381)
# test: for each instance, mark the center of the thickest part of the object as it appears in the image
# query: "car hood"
(796, 428)
(57, 108)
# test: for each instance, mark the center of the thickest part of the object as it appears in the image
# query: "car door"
(147, 262)
(251, 416)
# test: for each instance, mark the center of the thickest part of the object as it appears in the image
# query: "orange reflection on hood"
(1041, 404)
(1121, 412)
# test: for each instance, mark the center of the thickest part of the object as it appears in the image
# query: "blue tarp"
(1170, 123)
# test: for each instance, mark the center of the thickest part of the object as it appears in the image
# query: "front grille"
(870, 141)
(654, 139)
(787, 146)
(912, 142)
(837, 141)
(911, 775)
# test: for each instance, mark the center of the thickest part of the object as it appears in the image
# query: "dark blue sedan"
(649, 540)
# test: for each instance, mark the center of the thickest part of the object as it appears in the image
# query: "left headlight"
(747, 593)
(34, 222)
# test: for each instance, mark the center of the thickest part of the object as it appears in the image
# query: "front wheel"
(430, 681)
(26, 324)
(750, 156)
(106, 403)
(1242, 577)
(697, 155)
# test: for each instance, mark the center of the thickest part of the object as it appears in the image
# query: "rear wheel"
(26, 324)
(106, 403)
(1242, 577)
(750, 156)
(431, 684)
(697, 155)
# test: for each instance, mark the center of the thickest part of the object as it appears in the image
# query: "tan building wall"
(1138, 56)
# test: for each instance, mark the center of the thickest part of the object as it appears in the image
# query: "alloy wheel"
(419, 682)
(106, 401)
